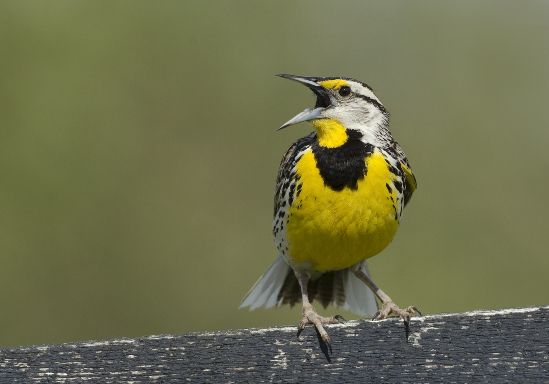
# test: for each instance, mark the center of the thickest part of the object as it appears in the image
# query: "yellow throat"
(331, 133)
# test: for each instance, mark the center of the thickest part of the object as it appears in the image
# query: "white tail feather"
(265, 291)
(358, 297)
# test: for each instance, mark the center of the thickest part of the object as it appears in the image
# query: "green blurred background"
(139, 152)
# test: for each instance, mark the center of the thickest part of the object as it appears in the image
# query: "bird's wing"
(266, 291)
(286, 170)
(403, 165)
(410, 182)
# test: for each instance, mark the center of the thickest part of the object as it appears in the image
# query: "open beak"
(322, 100)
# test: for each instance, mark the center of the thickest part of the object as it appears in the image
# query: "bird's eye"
(345, 91)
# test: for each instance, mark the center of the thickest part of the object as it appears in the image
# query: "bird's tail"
(265, 292)
(340, 288)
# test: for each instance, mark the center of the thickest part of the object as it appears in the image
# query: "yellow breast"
(331, 230)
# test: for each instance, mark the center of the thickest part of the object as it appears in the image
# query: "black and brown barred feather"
(403, 171)
(286, 173)
(327, 289)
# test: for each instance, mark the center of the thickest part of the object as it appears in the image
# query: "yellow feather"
(333, 84)
(331, 230)
(330, 133)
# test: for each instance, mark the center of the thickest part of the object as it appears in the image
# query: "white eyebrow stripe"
(362, 90)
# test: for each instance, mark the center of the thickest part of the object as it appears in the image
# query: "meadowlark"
(339, 197)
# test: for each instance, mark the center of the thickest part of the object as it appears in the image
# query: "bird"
(339, 198)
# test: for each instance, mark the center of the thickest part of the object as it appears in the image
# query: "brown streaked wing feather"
(286, 166)
(410, 184)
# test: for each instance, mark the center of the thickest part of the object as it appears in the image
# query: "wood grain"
(505, 346)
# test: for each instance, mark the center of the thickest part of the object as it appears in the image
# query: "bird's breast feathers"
(345, 206)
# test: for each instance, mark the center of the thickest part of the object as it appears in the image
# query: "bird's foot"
(389, 309)
(310, 317)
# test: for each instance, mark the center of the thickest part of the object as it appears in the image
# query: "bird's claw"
(389, 309)
(318, 322)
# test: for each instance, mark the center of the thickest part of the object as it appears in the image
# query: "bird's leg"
(388, 307)
(310, 317)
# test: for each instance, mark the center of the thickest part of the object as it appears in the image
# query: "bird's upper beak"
(322, 100)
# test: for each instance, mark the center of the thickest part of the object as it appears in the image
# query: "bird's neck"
(330, 133)
(374, 129)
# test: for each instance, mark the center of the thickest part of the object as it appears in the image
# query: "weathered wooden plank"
(507, 346)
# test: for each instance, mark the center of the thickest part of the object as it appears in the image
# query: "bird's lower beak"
(322, 100)
(307, 115)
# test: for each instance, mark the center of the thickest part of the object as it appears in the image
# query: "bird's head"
(343, 105)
